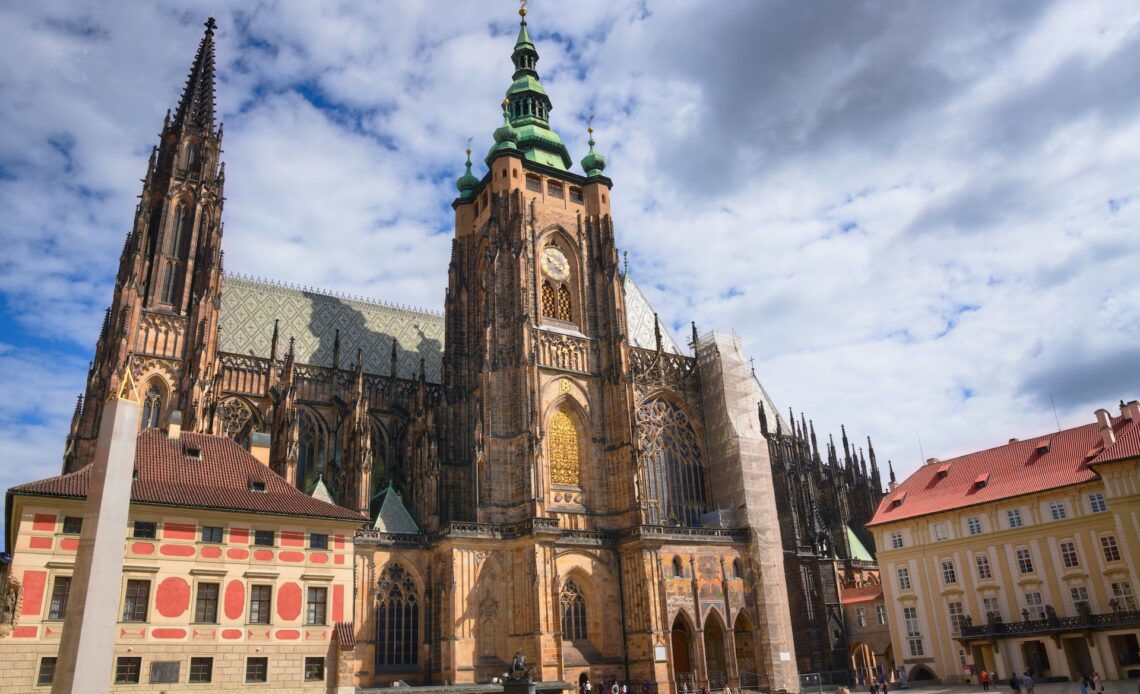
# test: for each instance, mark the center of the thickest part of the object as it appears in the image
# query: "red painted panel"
(319, 558)
(239, 536)
(177, 550)
(338, 603)
(142, 548)
(178, 531)
(211, 552)
(172, 598)
(237, 553)
(291, 556)
(338, 541)
(338, 559)
(44, 521)
(231, 633)
(288, 634)
(235, 601)
(168, 633)
(33, 592)
(289, 602)
(39, 542)
(25, 632)
(263, 554)
(69, 544)
(292, 539)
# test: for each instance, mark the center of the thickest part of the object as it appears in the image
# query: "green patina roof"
(858, 551)
(393, 516)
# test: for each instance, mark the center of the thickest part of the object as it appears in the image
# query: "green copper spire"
(467, 182)
(506, 137)
(593, 163)
(528, 108)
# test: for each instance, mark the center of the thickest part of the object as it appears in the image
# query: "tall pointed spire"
(196, 108)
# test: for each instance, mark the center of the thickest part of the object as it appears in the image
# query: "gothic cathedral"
(547, 471)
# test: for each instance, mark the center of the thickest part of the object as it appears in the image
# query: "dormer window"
(944, 471)
(257, 486)
(193, 453)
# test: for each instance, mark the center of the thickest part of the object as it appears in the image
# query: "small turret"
(467, 183)
(593, 163)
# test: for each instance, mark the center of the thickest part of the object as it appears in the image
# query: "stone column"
(87, 648)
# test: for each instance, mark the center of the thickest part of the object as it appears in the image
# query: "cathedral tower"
(163, 318)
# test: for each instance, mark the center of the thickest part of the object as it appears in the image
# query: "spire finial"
(196, 108)
(593, 163)
(522, 10)
(210, 25)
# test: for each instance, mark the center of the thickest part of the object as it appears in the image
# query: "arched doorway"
(745, 652)
(682, 639)
(716, 665)
(920, 673)
(863, 663)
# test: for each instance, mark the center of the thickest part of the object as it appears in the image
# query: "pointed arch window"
(573, 612)
(549, 300)
(170, 275)
(310, 450)
(152, 407)
(678, 568)
(397, 619)
(178, 232)
(672, 473)
(565, 450)
(380, 475)
(557, 303)
(193, 159)
(236, 420)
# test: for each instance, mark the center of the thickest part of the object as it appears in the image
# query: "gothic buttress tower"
(163, 319)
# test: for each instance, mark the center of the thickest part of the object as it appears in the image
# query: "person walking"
(589, 688)
(884, 689)
(1083, 684)
(1014, 684)
(1098, 687)
(1027, 682)
(874, 686)
(985, 679)
(614, 688)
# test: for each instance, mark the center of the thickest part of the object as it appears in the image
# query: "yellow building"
(1020, 557)
(232, 577)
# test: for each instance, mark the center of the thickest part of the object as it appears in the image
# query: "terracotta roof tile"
(861, 594)
(1015, 469)
(220, 479)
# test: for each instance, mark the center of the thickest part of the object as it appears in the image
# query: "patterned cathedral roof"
(313, 317)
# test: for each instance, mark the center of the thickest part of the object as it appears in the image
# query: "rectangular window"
(206, 604)
(201, 670)
(60, 591)
(127, 669)
(1057, 510)
(318, 541)
(974, 525)
(861, 616)
(904, 579)
(1080, 596)
(144, 530)
(1013, 517)
(211, 533)
(46, 674)
(318, 602)
(941, 532)
(260, 599)
(136, 601)
(257, 669)
(1108, 546)
(1024, 561)
(533, 183)
(957, 617)
(992, 606)
(72, 525)
(881, 614)
(554, 188)
(949, 574)
(575, 195)
(1035, 605)
(1069, 555)
(896, 540)
(1097, 503)
(913, 631)
(1122, 594)
(982, 561)
(165, 670)
(314, 669)
(263, 538)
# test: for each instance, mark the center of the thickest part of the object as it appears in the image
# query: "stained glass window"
(397, 619)
(673, 481)
(564, 464)
(573, 612)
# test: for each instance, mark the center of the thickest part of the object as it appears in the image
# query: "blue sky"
(920, 218)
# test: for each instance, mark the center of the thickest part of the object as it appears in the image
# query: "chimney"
(932, 461)
(259, 447)
(174, 425)
(1132, 411)
(1104, 422)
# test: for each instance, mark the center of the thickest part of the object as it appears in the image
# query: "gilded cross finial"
(522, 8)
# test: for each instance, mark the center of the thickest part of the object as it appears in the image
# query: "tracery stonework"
(565, 467)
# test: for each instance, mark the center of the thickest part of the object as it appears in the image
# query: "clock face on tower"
(555, 264)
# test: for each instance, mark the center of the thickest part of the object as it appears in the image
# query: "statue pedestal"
(518, 687)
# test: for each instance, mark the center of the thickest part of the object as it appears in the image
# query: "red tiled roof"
(861, 594)
(345, 635)
(1015, 469)
(220, 479)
